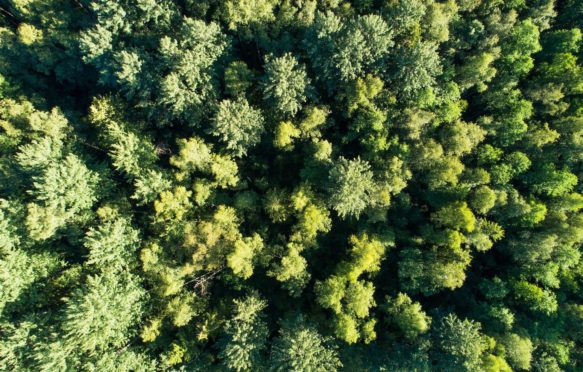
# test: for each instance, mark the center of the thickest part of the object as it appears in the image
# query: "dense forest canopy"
(291, 185)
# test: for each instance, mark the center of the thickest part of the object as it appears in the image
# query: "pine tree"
(244, 340)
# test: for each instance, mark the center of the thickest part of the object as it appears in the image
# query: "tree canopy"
(291, 185)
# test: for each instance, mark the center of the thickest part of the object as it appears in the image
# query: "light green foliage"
(172, 205)
(238, 125)
(551, 181)
(330, 293)
(248, 13)
(67, 187)
(477, 70)
(314, 118)
(126, 361)
(363, 91)
(346, 328)
(348, 297)
(517, 50)
(461, 138)
(433, 270)
(63, 190)
(408, 316)
(193, 155)
(129, 153)
(37, 154)
(359, 298)
(225, 171)
(241, 260)
(19, 270)
(190, 80)
(347, 51)
(456, 216)
(404, 14)
(483, 199)
(437, 19)
(285, 132)
(362, 44)
(313, 219)
(365, 256)
(149, 185)
(535, 298)
(518, 351)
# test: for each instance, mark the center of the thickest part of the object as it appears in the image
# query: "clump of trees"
(282, 185)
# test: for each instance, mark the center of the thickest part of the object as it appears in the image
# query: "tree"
(366, 254)
(433, 270)
(459, 343)
(101, 313)
(361, 46)
(238, 125)
(292, 270)
(173, 205)
(238, 79)
(518, 351)
(247, 14)
(299, 347)
(351, 186)
(193, 155)
(550, 181)
(535, 298)
(112, 245)
(404, 14)
(286, 84)
(516, 51)
(245, 335)
(62, 191)
(416, 68)
(241, 259)
(483, 199)
(67, 187)
(457, 216)
(407, 316)
(346, 52)
(477, 70)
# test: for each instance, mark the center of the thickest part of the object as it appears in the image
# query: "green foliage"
(112, 245)
(351, 186)
(241, 260)
(456, 216)
(245, 335)
(459, 344)
(518, 351)
(286, 84)
(238, 79)
(300, 185)
(416, 68)
(299, 347)
(407, 316)
(102, 311)
(238, 125)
